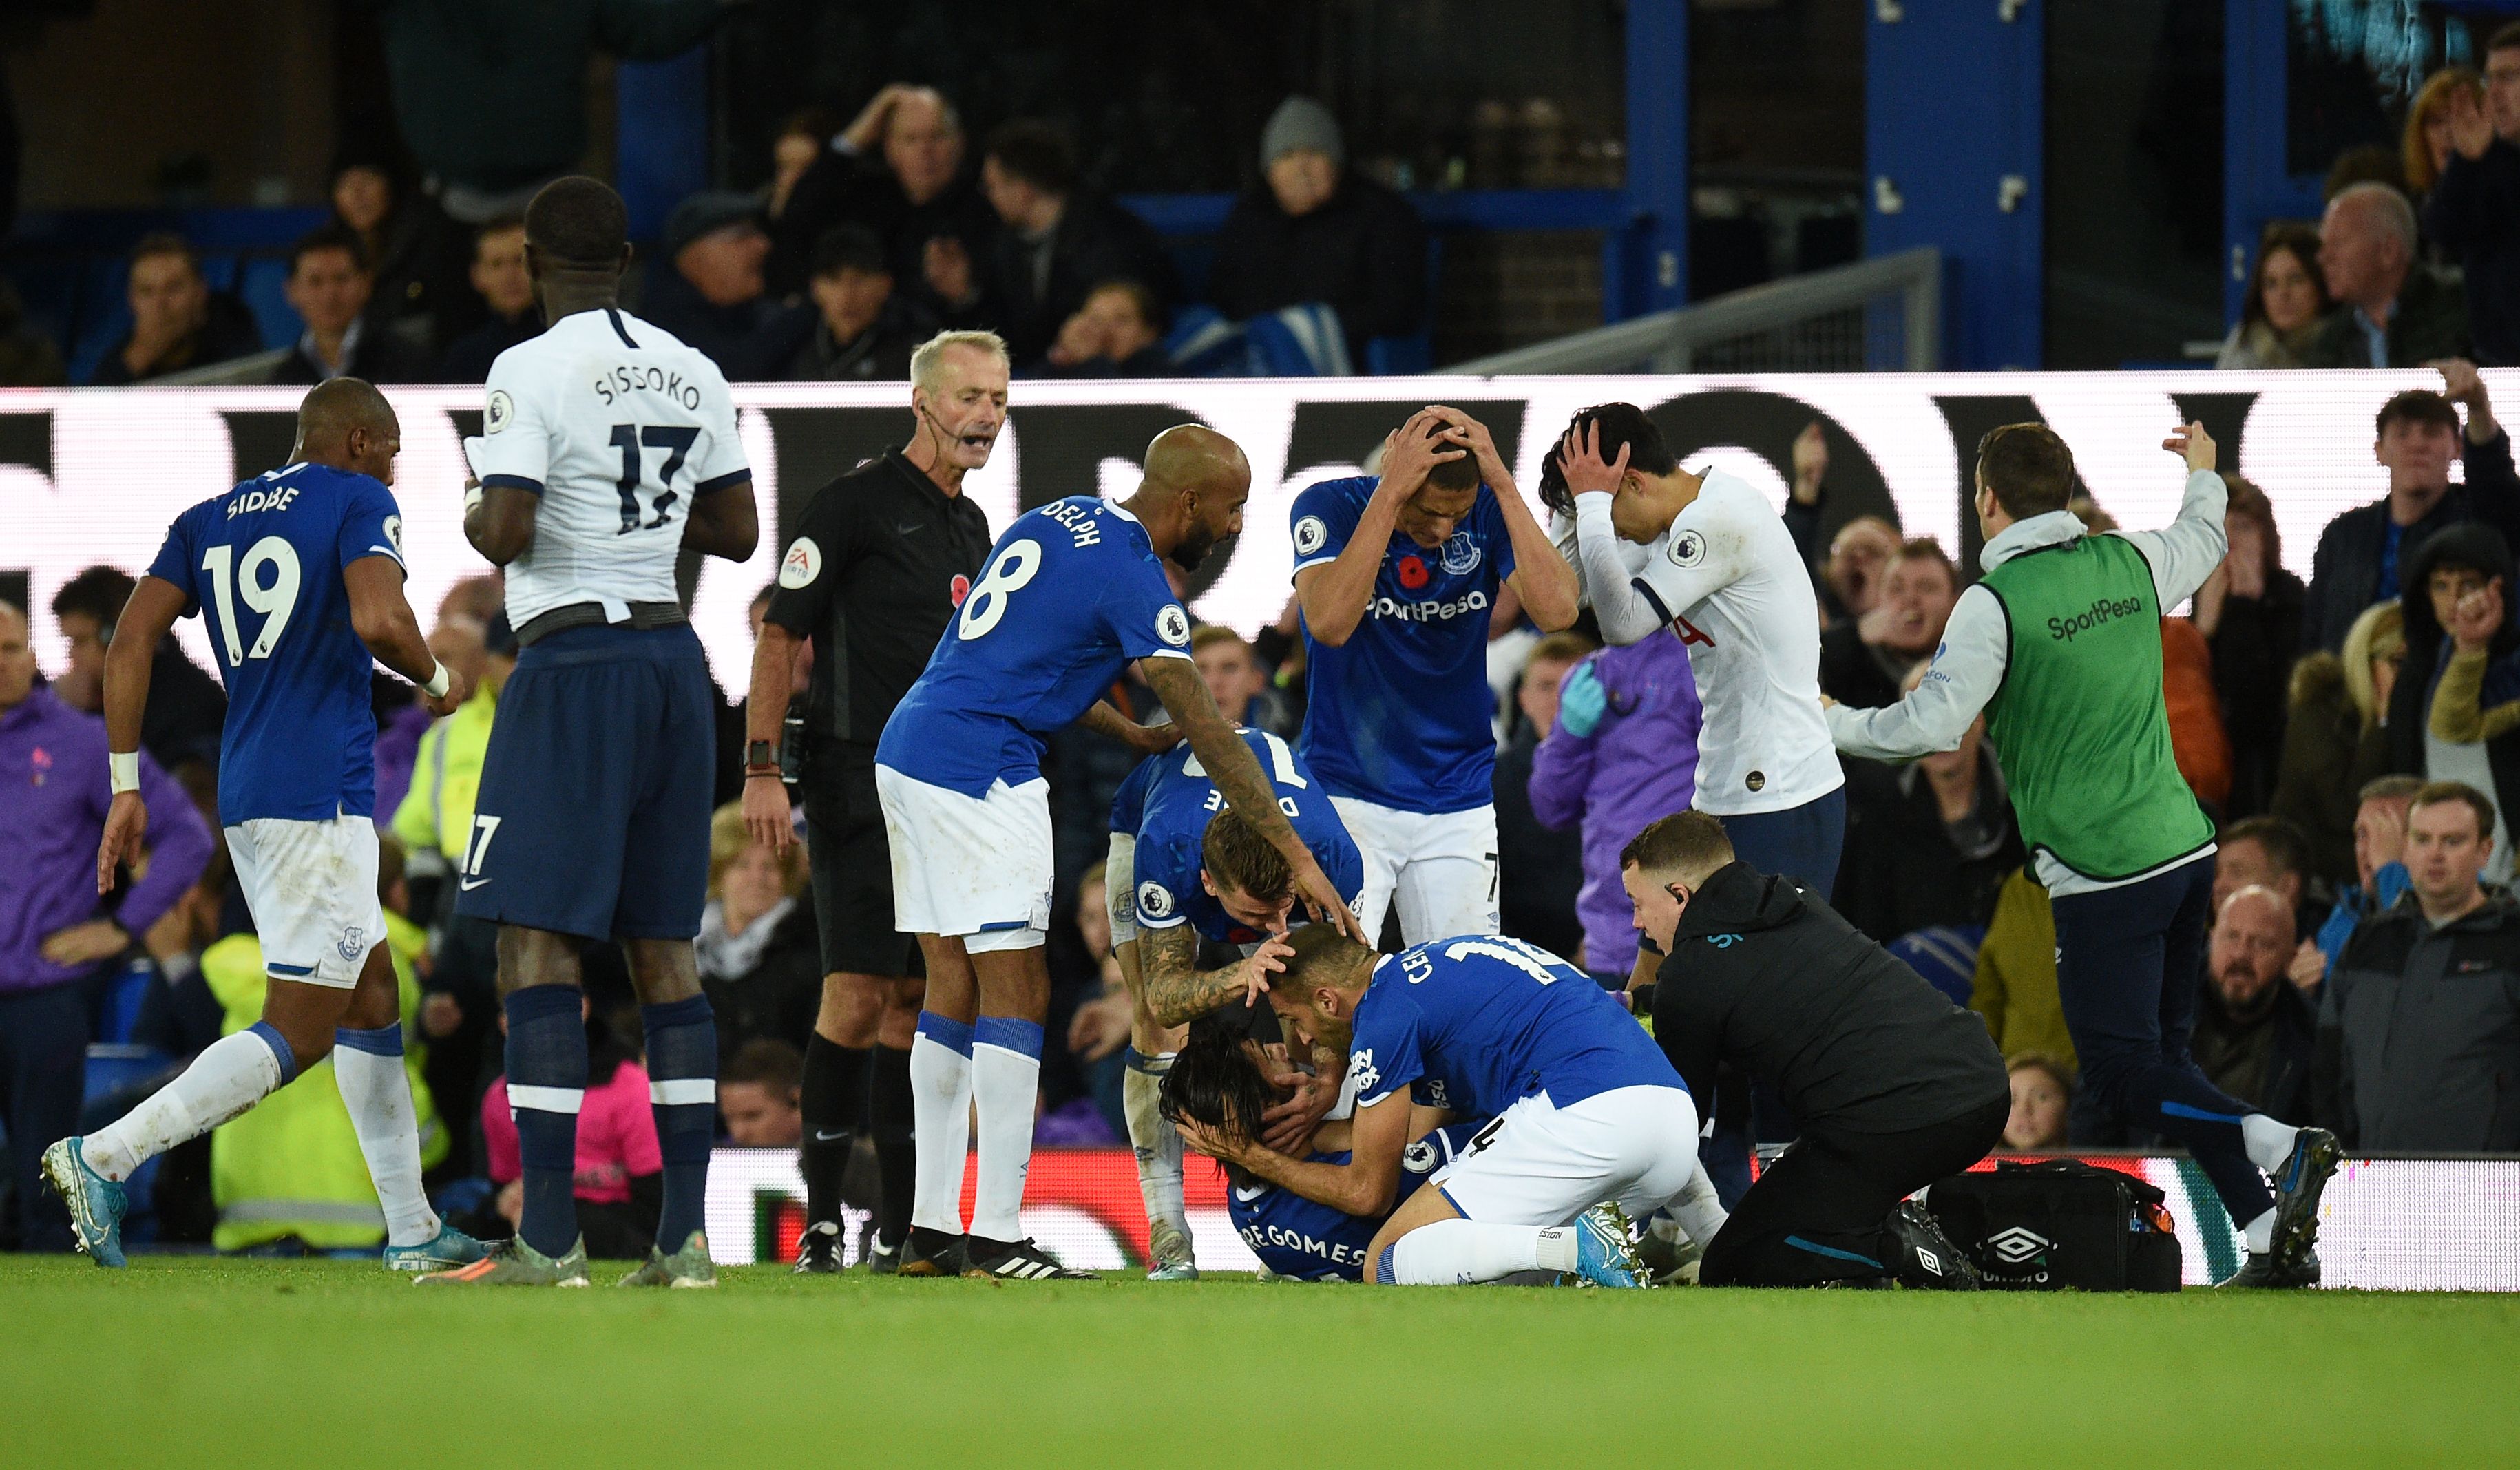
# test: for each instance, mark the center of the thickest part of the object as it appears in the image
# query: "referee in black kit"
(883, 558)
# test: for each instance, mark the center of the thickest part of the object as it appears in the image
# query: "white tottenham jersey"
(618, 427)
(1726, 577)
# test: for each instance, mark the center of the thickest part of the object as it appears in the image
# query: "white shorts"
(1545, 1165)
(1442, 869)
(978, 869)
(312, 888)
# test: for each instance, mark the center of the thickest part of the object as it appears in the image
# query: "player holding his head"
(1707, 557)
(1072, 594)
(1182, 868)
(2060, 646)
(1223, 1081)
(1396, 574)
(1588, 1112)
(607, 449)
(299, 573)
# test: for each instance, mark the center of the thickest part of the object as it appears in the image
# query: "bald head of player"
(1192, 498)
(348, 424)
(578, 246)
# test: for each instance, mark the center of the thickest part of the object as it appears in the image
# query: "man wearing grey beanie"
(1316, 231)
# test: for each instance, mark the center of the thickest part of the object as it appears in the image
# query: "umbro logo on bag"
(2018, 1245)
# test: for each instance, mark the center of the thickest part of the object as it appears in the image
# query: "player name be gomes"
(2104, 609)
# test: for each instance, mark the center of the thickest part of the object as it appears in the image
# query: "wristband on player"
(759, 755)
(472, 495)
(764, 773)
(123, 768)
(436, 688)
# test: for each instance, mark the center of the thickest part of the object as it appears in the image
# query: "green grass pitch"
(189, 1362)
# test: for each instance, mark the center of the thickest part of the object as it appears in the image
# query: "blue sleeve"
(1167, 877)
(1493, 534)
(1140, 614)
(1383, 1054)
(1323, 520)
(175, 561)
(1129, 803)
(370, 525)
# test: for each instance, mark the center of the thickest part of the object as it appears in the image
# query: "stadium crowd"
(2353, 737)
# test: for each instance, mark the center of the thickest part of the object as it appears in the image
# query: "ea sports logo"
(2017, 1245)
(802, 563)
(1412, 573)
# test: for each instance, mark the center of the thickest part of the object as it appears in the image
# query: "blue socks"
(545, 1087)
(681, 1085)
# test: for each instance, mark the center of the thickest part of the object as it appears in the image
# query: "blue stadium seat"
(261, 284)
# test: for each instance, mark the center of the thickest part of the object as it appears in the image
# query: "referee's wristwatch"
(761, 761)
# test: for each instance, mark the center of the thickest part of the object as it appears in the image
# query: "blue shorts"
(593, 816)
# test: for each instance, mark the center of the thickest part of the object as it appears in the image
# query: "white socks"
(1458, 1252)
(1157, 1143)
(368, 1067)
(941, 1104)
(1696, 1210)
(2260, 1234)
(1006, 1085)
(230, 1075)
(2269, 1143)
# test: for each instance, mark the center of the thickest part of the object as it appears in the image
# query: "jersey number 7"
(677, 441)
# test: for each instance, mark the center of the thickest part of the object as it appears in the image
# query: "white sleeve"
(1967, 670)
(2185, 552)
(1626, 615)
(1120, 888)
(721, 461)
(515, 447)
(1706, 551)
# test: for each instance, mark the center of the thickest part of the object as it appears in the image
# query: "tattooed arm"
(1178, 992)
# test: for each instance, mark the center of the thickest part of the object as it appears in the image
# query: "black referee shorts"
(852, 867)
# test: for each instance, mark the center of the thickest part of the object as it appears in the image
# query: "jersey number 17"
(676, 440)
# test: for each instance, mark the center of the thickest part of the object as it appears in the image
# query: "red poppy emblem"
(962, 587)
(1412, 573)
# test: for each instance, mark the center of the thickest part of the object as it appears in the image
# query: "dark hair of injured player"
(1216, 1082)
(1236, 855)
(1622, 426)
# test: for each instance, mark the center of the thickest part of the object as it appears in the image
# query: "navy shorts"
(593, 816)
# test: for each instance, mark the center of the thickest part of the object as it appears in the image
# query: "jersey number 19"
(230, 581)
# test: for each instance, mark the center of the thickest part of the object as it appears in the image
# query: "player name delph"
(261, 499)
(1079, 520)
(626, 378)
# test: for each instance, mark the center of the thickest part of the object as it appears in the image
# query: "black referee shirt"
(872, 577)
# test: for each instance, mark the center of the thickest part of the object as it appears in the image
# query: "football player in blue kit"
(1397, 574)
(1072, 594)
(1220, 1081)
(1184, 867)
(1593, 1126)
(299, 574)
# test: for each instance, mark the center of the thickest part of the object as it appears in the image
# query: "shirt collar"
(350, 348)
(2055, 528)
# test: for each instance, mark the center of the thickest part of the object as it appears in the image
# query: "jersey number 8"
(986, 607)
(275, 603)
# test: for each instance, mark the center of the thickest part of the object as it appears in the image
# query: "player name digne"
(629, 377)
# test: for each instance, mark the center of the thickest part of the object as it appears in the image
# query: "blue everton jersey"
(263, 564)
(1306, 1240)
(1167, 803)
(1070, 596)
(1477, 1023)
(1399, 714)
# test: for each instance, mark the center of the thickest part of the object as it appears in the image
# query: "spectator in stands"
(1621, 755)
(507, 292)
(620, 1178)
(2398, 312)
(707, 288)
(2015, 987)
(897, 169)
(1540, 869)
(1863, 660)
(1235, 682)
(2197, 739)
(1320, 232)
(28, 359)
(2474, 212)
(2336, 737)
(2454, 588)
(55, 931)
(808, 133)
(1859, 557)
(861, 330)
(2419, 1026)
(330, 287)
(2255, 1034)
(2043, 1092)
(2286, 306)
(187, 709)
(1118, 332)
(1060, 240)
(1097, 1028)
(2381, 867)
(759, 956)
(2363, 163)
(2424, 145)
(1804, 500)
(178, 322)
(758, 1093)
(491, 95)
(2250, 612)
(416, 254)
(2417, 432)
(2263, 852)
(1929, 842)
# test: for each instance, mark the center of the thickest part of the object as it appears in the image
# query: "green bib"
(2079, 723)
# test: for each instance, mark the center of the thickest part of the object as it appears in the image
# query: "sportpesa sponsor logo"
(2105, 609)
(1430, 612)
